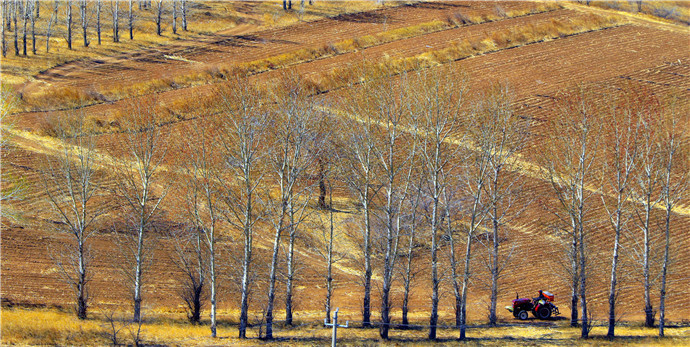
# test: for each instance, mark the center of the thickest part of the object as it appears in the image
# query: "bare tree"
(7, 14)
(243, 133)
(202, 199)
(330, 257)
(674, 186)
(5, 9)
(292, 155)
(72, 185)
(570, 153)
(482, 179)
(159, 11)
(174, 17)
(438, 107)
(145, 147)
(113, 326)
(53, 19)
(131, 21)
(620, 150)
(26, 13)
(98, 20)
(69, 24)
(450, 203)
(15, 5)
(34, 3)
(645, 191)
(388, 101)
(409, 273)
(502, 135)
(84, 21)
(189, 259)
(184, 14)
(358, 159)
(116, 21)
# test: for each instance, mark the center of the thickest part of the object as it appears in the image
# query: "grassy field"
(42, 326)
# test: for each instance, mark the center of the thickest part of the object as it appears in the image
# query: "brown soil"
(633, 53)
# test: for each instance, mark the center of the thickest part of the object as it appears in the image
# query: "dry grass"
(204, 18)
(673, 11)
(494, 41)
(56, 327)
(203, 74)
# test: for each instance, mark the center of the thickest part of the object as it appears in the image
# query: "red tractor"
(541, 307)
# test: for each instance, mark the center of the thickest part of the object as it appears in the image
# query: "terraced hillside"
(621, 53)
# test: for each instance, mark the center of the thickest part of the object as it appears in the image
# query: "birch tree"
(388, 102)
(15, 5)
(620, 156)
(26, 13)
(645, 192)
(202, 199)
(84, 21)
(69, 24)
(53, 19)
(503, 135)
(5, 9)
(412, 225)
(571, 151)
(327, 175)
(292, 155)
(131, 21)
(184, 14)
(99, 4)
(674, 186)
(451, 209)
(174, 17)
(159, 12)
(438, 103)
(243, 132)
(358, 159)
(34, 4)
(330, 256)
(139, 175)
(116, 20)
(73, 185)
(484, 135)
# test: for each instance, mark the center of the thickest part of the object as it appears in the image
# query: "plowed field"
(633, 53)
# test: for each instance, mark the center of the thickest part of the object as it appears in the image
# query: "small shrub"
(500, 12)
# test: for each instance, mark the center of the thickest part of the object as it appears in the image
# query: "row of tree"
(436, 172)
(18, 14)
(630, 149)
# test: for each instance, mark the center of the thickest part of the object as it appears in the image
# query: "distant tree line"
(437, 172)
(19, 18)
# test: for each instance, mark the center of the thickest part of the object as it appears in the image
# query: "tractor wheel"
(522, 315)
(544, 312)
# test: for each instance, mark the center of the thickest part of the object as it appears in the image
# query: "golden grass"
(494, 41)
(42, 326)
(207, 18)
(671, 11)
(203, 74)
